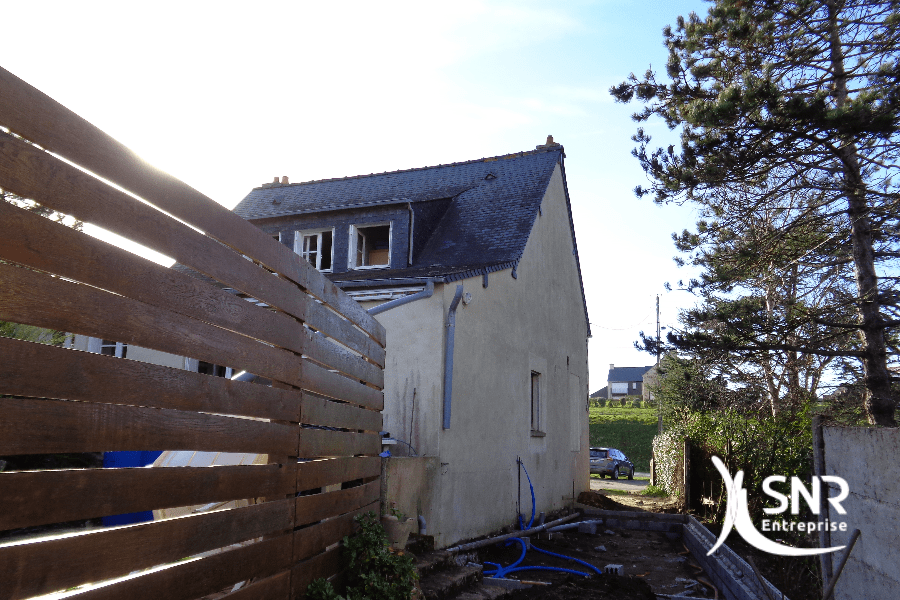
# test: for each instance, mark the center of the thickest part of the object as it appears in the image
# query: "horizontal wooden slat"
(319, 473)
(317, 507)
(194, 579)
(54, 426)
(316, 379)
(46, 566)
(323, 565)
(37, 117)
(319, 411)
(312, 540)
(25, 237)
(37, 299)
(322, 350)
(315, 443)
(31, 173)
(42, 497)
(277, 587)
(42, 371)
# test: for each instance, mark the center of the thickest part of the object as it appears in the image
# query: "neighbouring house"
(649, 382)
(601, 393)
(625, 381)
(473, 270)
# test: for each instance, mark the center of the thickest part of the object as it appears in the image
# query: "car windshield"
(598, 453)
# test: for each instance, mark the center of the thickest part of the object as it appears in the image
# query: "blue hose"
(533, 506)
(501, 571)
(560, 569)
(581, 562)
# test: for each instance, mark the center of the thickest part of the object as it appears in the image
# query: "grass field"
(631, 430)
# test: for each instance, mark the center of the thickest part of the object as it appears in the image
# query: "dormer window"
(316, 247)
(370, 246)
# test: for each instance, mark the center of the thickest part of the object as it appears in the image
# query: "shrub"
(668, 454)
(601, 401)
(636, 403)
(373, 571)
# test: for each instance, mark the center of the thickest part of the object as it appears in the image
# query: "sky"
(226, 96)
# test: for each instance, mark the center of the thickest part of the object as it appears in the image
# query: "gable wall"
(509, 329)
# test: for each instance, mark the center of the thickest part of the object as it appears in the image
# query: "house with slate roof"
(473, 269)
(625, 381)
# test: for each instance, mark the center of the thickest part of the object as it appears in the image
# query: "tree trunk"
(879, 401)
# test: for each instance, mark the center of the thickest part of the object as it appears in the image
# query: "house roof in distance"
(487, 208)
(627, 373)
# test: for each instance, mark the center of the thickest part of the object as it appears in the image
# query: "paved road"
(622, 483)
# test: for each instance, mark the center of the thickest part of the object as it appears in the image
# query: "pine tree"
(792, 110)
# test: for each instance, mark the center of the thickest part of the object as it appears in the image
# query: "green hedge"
(633, 437)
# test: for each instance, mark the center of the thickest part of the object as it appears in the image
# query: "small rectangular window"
(370, 246)
(316, 247)
(535, 401)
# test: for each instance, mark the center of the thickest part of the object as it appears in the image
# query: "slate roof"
(495, 202)
(493, 207)
(627, 373)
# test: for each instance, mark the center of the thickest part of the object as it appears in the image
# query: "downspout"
(426, 293)
(448, 355)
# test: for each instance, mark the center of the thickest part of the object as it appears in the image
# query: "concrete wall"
(868, 459)
(534, 322)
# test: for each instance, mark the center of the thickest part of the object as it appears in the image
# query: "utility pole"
(659, 424)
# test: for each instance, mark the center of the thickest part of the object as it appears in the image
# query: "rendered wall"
(514, 326)
(868, 459)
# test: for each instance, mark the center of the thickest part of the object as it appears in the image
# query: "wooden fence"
(317, 423)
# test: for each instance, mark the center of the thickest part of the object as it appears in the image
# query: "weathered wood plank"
(319, 473)
(31, 173)
(312, 540)
(277, 587)
(324, 565)
(316, 443)
(25, 236)
(40, 497)
(37, 299)
(42, 371)
(194, 579)
(56, 426)
(311, 509)
(37, 117)
(319, 411)
(45, 566)
(319, 380)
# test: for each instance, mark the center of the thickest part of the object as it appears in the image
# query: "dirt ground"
(652, 563)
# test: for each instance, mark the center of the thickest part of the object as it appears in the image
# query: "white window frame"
(301, 236)
(354, 232)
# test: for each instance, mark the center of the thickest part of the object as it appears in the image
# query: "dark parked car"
(612, 462)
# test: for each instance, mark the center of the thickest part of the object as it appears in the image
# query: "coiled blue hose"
(501, 571)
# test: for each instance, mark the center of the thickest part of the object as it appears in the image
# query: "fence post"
(824, 513)
(687, 474)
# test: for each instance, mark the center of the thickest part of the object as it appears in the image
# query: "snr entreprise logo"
(737, 514)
